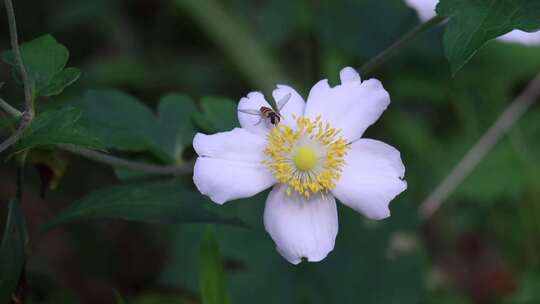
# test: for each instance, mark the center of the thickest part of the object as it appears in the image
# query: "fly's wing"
(282, 102)
(250, 112)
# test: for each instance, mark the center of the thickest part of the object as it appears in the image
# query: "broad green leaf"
(175, 128)
(12, 252)
(44, 59)
(124, 123)
(218, 114)
(212, 277)
(164, 202)
(120, 121)
(58, 127)
(472, 23)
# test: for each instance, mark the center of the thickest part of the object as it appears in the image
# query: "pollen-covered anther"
(309, 158)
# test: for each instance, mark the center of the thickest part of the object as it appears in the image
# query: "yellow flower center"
(305, 158)
(309, 158)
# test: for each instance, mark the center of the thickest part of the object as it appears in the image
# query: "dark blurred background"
(483, 246)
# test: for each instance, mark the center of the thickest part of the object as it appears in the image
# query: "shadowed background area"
(482, 246)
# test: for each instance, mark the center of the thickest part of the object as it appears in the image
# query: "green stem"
(28, 114)
(388, 53)
(127, 164)
(18, 57)
(247, 53)
(9, 109)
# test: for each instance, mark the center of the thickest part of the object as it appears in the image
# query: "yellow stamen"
(309, 158)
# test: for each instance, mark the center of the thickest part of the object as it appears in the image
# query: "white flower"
(314, 155)
(426, 11)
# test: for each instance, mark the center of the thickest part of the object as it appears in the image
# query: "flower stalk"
(388, 53)
(506, 120)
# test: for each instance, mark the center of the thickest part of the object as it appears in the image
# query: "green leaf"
(472, 23)
(58, 127)
(44, 59)
(173, 133)
(218, 114)
(124, 123)
(119, 120)
(164, 202)
(212, 278)
(12, 252)
(60, 81)
(175, 129)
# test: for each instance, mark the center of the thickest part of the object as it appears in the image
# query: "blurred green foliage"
(137, 56)
(12, 251)
(213, 281)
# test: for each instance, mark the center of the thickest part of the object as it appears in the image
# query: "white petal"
(348, 74)
(424, 8)
(295, 105)
(230, 165)
(371, 178)
(301, 228)
(253, 122)
(237, 144)
(352, 106)
(521, 37)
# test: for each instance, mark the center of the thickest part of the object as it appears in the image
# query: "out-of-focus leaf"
(218, 114)
(124, 123)
(173, 133)
(213, 283)
(175, 128)
(12, 252)
(164, 202)
(119, 298)
(347, 17)
(58, 127)
(45, 59)
(472, 23)
(159, 298)
(528, 291)
(121, 121)
(8, 123)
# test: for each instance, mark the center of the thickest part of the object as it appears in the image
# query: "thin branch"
(28, 114)
(18, 57)
(505, 121)
(388, 53)
(24, 123)
(127, 164)
(9, 109)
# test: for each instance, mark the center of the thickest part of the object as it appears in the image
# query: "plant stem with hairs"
(28, 114)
